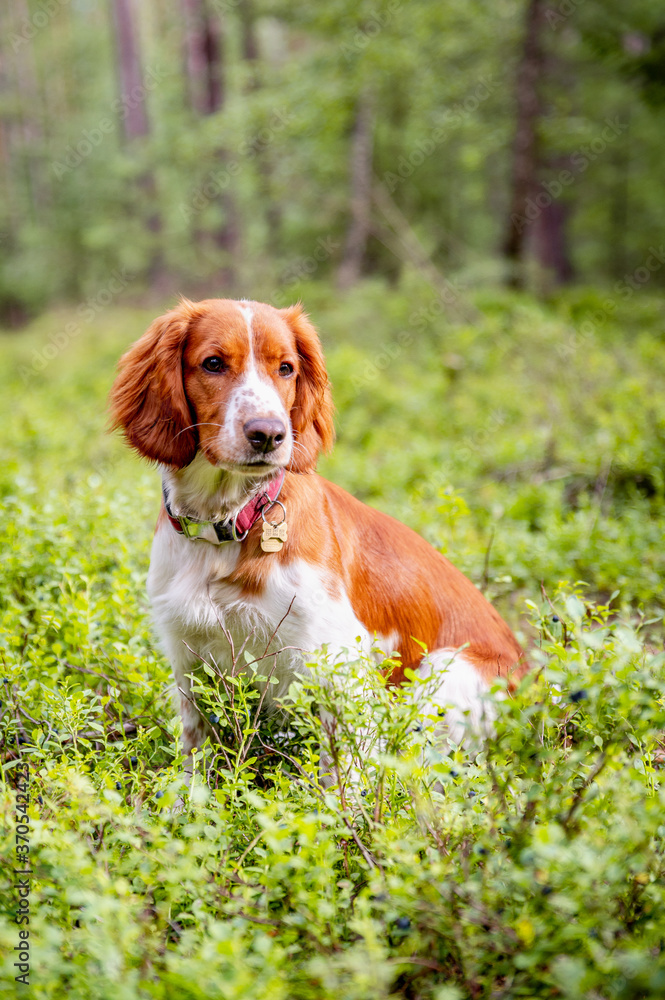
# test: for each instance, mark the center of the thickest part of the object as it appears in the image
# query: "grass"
(527, 442)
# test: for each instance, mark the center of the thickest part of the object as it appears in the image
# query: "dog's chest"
(196, 607)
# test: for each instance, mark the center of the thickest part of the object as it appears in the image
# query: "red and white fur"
(346, 570)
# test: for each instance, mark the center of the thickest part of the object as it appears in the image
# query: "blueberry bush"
(527, 442)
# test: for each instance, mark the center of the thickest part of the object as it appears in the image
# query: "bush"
(530, 865)
(533, 867)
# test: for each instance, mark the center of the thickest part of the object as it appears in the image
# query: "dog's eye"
(214, 364)
(285, 369)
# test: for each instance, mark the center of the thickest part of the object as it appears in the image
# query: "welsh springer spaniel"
(232, 400)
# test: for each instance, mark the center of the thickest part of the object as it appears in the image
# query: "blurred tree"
(250, 45)
(204, 46)
(132, 87)
(360, 180)
(254, 64)
(129, 73)
(12, 310)
(525, 144)
(550, 231)
(257, 140)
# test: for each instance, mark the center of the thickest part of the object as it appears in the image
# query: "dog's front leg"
(194, 727)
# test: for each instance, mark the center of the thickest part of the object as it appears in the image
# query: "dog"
(232, 400)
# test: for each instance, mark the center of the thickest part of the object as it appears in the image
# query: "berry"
(158, 795)
(214, 718)
(578, 695)
(133, 761)
(118, 785)
(556, 619)
(403, 923)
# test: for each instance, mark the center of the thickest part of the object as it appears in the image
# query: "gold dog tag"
(275, 530)
(274, 535)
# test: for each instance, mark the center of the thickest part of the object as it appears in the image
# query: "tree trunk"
(128, 63)
(250, 55)
(9, 195)
(203, 47)
(551, 242)
(135, 121)
(250, 48)
(547, 238)
(12, 309)
(619, 210)
(361, 193)
(204, 70)
(525, 147)
(28, 120)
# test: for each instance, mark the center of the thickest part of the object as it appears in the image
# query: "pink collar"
(235, 528)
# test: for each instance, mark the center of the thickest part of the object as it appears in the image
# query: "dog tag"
(275, 530)
(271, 544)
(274, 535)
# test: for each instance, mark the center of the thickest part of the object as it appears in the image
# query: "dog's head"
(242, 382)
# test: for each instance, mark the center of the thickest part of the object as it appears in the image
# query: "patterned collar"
(234, 529)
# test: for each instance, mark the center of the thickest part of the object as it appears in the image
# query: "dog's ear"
(148, 401)
(312, 411)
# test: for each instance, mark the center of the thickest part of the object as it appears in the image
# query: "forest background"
(469, 199)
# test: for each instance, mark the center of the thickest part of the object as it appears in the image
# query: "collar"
(233, 529)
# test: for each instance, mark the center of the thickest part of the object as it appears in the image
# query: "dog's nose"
(265, 435)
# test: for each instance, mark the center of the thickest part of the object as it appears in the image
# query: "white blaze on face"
(255, 397)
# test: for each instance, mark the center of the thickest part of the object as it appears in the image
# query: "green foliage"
(272, 163)
(528, 866)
